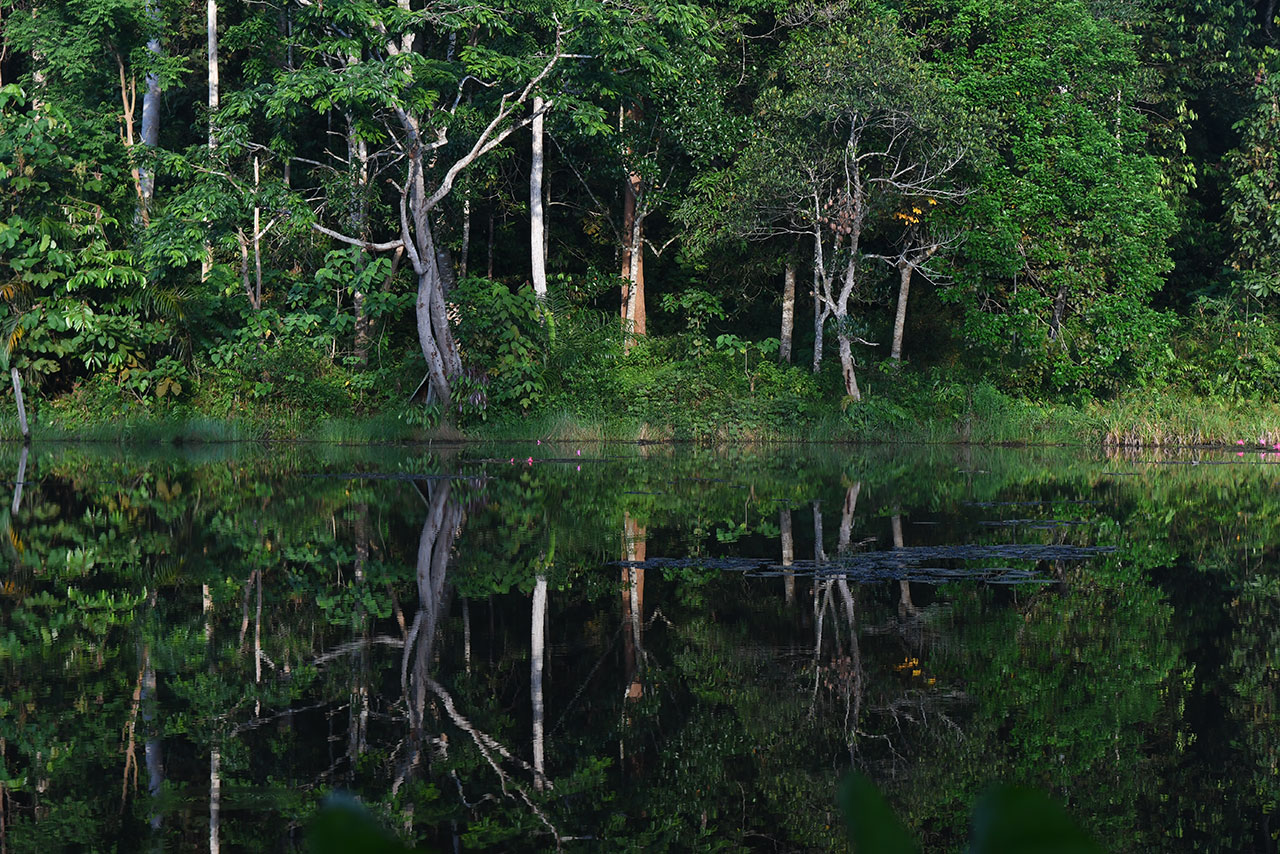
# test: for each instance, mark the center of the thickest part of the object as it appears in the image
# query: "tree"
(419, 102)
(855, 128)
(1067, 222)
(1253, 196)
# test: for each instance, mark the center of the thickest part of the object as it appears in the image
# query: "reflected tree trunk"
(435, 543)
(634, 549)
(20, 481)
(905, 606)
(788, 555)
(215, 800)
(846, 517)
(537, 661)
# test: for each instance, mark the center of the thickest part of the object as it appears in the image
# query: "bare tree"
(419, 139)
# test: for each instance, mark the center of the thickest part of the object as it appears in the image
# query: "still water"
(612, 648)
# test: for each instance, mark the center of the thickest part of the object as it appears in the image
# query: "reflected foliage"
(198, 648)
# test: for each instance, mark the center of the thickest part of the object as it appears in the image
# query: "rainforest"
(950, 220)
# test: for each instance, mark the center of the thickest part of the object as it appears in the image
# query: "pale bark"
(846, 360)
(465, 254)
(435, 544)
(905, 605)
(900, 317)
(845, 540)
(633, 216)
(439, 349)
(152, 749)
(150, 129)
(21, 480)
(211, 41)
(788, 555)
(537, 661)
(22, 409)
(257, 236)
(788, 311)
(357, 222)
(215, 800)
(819, 553)
(634, 550)
(537, 242)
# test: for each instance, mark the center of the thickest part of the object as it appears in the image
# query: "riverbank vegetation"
(937, 220)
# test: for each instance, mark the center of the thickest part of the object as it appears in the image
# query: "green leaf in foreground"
(873, 828)
(345, 826)
(1010, 820)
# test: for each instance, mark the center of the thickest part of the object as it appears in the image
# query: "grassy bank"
(981, 415)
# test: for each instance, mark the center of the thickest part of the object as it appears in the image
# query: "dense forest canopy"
(538, 205)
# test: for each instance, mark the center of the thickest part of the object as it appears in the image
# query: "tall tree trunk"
(633, 215)
(22, 409)
(465, 254)
(634, 550)
(537, 661)
(257, 236)
(211, 35)
(845, 540)
(819, 305)
(846, 359)
(788, 555)
(900, 318)
(788, 310)
(537, 241)
(150, 130)
(358, 223)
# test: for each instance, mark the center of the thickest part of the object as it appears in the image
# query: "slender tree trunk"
(845, 540)
(846, 359)
(211, 14)
(537, 661)
(150, 130)
(22, 409)
(215, 800)
(788, 555)
(819, 553)
(788, 310)
(358, 222)
(633, 215)
(819, 307)
(465, 254)
(257, 236)
(153, 754)
(537, 241)
(900, 318)
(634, 550)
(21, 481)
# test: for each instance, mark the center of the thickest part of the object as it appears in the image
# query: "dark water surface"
(622, 648)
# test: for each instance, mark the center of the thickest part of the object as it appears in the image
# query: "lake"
(619, 647)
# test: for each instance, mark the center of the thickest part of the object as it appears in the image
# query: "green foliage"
(503, 335)
(1254, 192)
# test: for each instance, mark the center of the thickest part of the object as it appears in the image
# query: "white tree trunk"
(211, 34)
(788, 555)
(537, 241)
(150, 130)
(788, 311)
(846, 359)
(900, 319)
(22, 409)
(537, 660)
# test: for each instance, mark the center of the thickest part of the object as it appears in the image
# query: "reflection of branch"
(488, 746)
(354, 646)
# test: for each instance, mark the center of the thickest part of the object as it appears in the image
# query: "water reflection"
(652, 649)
